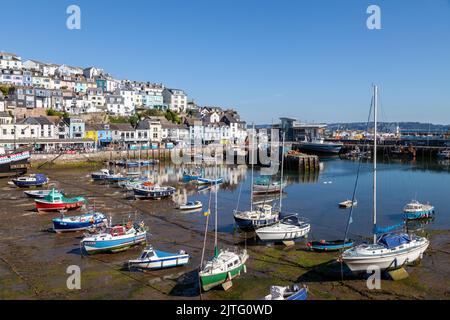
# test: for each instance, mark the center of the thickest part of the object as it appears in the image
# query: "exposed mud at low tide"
(33, 260)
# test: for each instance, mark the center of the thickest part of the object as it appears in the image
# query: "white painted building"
(176, 99)
(10, 61)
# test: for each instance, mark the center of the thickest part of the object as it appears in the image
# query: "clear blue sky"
(314, 60)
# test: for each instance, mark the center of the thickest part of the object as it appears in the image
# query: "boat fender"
(245, 268)
(229, 276)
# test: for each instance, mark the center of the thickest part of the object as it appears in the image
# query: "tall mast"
(253, 156)
(375, 111)
(282, 171)
(216, 249)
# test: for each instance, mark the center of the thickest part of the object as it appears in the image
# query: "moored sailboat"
(225, 265)
(390, 250)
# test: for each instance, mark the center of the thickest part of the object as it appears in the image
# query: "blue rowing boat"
(333, 245)
(294, 292)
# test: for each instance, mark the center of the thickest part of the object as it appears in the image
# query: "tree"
(4, 89)
(52, 112)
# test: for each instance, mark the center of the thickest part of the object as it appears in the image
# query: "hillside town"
(64, 107)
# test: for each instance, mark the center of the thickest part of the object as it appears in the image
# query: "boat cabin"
(116, 231)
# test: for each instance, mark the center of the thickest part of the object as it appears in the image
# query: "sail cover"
(393, 240)
(379, 230)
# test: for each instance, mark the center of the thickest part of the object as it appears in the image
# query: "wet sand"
(33, 260)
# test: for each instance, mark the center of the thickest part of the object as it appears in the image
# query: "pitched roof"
(121, 127)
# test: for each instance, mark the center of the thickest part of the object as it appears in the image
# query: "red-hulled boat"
(55, 201)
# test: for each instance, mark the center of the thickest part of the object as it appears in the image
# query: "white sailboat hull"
(391, 260)
(281, 234)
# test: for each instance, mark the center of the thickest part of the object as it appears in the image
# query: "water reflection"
(316, 194)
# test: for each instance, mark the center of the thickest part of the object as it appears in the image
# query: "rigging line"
(357, 177)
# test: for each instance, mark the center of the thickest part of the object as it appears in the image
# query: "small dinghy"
(152, 259)
(33, 180)
(115, 239)
(78, 223)
(347, 204)
(38, 194)
(190, 205)
(294, 292)
(416, 210)
(55, 201)
(334, 245)
(209, 181)
(133, 173)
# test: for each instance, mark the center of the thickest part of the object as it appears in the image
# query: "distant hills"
(390, 126)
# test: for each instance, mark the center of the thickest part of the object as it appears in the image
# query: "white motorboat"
(152, 259)
(391, 250)
(289, 228)
(190, 205)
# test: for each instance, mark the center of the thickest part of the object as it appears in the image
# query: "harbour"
(313, 195)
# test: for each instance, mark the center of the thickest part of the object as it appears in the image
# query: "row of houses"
(224, 128)
(35, 84)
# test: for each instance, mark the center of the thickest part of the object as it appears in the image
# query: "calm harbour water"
(316, 196)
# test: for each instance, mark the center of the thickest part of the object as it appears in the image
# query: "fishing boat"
(348, 203)
(101, 175)
(191, 205)
(201, 180)
(55, 201)
(32, 180)
(326, 245)
(288, 228)
(416, 210)
(15, 162)
(389, 250)
(294, 292)
(151, 259)
(225, 265)
(192, 175)
(153, 191)
(115, 239)
(444, 154)
(38, 194)
(78, 223)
